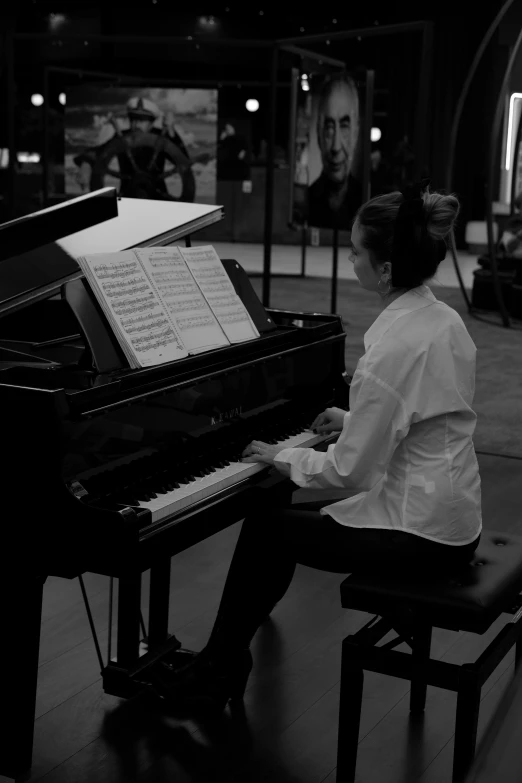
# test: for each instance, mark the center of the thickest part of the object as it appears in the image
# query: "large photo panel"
(329, 172)
(149, 142)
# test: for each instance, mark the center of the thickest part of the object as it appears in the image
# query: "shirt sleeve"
(378, 421)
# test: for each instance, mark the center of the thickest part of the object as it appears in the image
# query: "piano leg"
(159, 603)
(129, 606)
(128, 674)
(21, 598)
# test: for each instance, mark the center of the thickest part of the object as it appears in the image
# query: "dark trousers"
(273, 541)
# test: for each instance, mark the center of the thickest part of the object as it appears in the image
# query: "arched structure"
(494, 140)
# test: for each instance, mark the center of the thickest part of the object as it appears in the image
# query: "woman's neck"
(387, 300)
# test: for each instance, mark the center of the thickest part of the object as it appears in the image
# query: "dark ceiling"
(260, 19)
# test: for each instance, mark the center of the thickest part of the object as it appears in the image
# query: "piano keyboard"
(169, 503)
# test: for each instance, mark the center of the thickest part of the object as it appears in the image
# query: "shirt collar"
(415, 299)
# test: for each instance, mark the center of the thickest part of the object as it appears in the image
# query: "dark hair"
(377, 221)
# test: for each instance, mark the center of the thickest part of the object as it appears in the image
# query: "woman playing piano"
(405, 447)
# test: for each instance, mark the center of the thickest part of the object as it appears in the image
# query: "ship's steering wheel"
(145, 182)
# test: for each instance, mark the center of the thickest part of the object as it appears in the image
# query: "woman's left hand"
(258, 451)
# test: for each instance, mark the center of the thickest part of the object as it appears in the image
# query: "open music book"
(165, 303)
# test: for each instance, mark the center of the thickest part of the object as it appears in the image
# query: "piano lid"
(33, 264)
(37, 256)
(142, 223)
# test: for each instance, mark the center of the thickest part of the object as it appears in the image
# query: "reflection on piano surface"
(119, 469)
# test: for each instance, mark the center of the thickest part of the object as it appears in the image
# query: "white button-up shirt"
(406, 444)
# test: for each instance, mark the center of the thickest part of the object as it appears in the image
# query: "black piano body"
(93, 448)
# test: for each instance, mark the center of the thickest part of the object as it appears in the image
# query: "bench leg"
(350, 704)
(420, 654)
(468, 705)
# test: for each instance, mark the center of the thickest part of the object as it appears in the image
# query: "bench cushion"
(469, 600)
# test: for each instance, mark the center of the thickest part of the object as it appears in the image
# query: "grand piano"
(114, 470)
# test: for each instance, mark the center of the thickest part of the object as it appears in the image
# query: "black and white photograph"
(261, 392)
(329, 170)
(158, 143)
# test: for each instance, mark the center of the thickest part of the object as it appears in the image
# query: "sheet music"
(139, 318)
(210, 275)
(187, 307)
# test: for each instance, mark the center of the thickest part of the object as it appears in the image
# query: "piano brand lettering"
(231, 414)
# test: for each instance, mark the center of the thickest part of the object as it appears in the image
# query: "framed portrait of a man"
(331, 148)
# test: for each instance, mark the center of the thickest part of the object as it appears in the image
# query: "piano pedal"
(176, 659)
(164, 667)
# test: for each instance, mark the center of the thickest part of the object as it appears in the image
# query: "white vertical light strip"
(511, 118)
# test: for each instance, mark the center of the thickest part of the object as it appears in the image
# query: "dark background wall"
(395, 60)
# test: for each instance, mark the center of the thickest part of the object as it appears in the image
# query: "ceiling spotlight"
(375, 134)
(62, 98)
(252, 104)
(208, 22)
(37, 99)
(56, 21)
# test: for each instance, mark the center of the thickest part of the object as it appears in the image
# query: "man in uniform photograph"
(336, 194)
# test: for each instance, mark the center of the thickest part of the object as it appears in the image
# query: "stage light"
(62, 98)
(37, 99)
(252, 104)
(375, 134)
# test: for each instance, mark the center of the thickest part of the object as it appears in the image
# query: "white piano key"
(187, 495)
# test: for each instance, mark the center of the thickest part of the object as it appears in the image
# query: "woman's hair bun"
(441, 212)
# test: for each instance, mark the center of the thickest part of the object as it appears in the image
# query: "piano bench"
(470, 600)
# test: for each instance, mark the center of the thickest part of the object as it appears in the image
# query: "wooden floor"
(287, 731)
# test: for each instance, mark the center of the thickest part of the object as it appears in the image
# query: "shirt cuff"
(282, 462)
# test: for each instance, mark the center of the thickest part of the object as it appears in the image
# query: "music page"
(139, 319)
(188, 308)
(209, 273)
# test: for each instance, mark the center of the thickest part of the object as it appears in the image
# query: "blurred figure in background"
(233, 162)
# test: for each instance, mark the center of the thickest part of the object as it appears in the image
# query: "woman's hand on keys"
(330, 420)
(257, 451)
